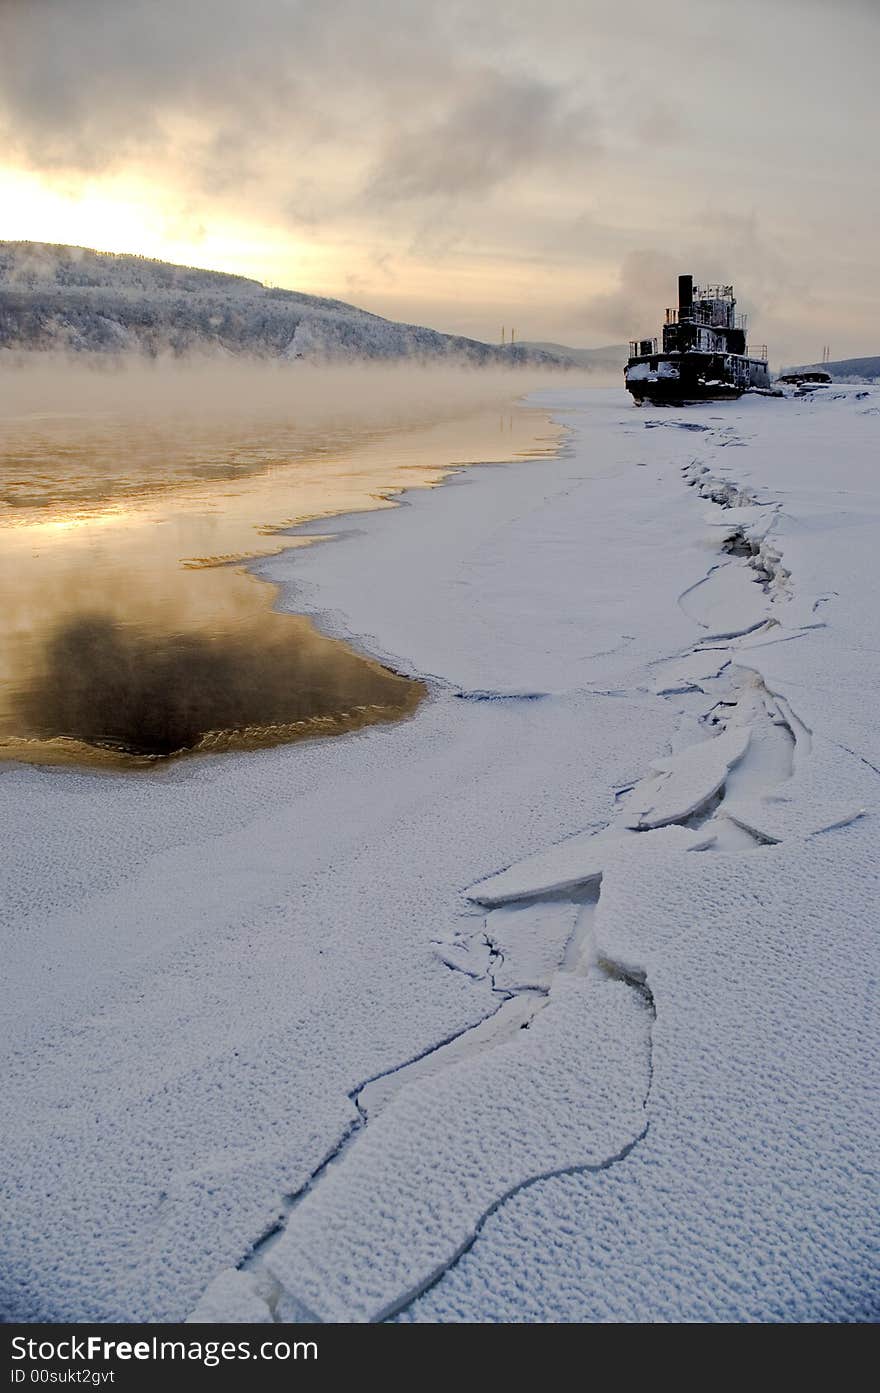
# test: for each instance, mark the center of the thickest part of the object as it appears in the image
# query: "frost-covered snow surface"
(554, 1002)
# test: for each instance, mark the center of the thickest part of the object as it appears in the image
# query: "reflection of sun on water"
(125, 625)
(104, 517)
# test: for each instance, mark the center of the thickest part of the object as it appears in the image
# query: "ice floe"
(582, 858)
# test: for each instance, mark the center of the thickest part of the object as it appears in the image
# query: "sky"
(545, 165)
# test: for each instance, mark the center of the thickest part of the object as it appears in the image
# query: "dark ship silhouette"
(704, 355)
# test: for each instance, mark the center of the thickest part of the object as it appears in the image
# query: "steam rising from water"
(196, 388)
(125, 492)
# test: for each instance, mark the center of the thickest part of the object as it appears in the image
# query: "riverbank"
(655, 653)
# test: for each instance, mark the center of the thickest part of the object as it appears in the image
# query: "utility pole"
(502, 336)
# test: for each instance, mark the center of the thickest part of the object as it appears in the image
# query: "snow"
(752, 1194)
(232, 1296)
(683, 783)
(512, 1015)
(643, 372)
(522, 1009)
(390, 1215)
(728, 601)
(573, 862)
(529, 942)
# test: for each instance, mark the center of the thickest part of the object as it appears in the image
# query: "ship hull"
(674, 379)
(676, 394)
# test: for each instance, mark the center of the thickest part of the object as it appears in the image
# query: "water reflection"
(145, 694)
(125, 630)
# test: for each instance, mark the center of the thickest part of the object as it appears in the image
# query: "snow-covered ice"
(683, 783)
(523, 1009)
(581, 858)
(409, 1196)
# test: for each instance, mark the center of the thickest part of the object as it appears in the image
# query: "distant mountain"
(75, 299)
(610, 359)
(845, 369)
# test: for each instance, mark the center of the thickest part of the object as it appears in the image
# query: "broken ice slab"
(574, 862)
(531, 941)
(726, 602)
(399, 1207)
(233, 1297)
(778, 820)
(472, 961)
(513, 1015)
(830, 786)
(740, 519)
(673, 676)
(684, 783)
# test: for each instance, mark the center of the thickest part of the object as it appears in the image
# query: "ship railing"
(699, 313)
(642, 348)
(756, 350)
(713, 292)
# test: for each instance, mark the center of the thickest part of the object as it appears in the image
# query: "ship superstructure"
(704, 354)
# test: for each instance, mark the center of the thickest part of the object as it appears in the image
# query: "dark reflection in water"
(148, 694)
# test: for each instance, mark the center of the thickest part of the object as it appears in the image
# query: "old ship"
(704, 355)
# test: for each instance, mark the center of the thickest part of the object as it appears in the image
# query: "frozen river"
(556, 1001)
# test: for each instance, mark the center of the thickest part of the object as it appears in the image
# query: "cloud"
(648, 281)
(538, 141)
(307, 110)
(90, 83)
(492, 127)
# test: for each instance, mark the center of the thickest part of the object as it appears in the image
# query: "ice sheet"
(209, 970)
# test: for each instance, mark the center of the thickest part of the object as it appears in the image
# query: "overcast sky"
(546, 164)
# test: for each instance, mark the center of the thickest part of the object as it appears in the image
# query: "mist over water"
(130, 497)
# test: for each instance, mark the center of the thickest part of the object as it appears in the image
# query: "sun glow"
(119, 214)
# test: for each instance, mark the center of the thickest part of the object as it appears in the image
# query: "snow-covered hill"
(75, 299)
(846, 369)
(608, 359)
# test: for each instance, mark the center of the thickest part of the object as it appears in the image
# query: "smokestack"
(685, 296)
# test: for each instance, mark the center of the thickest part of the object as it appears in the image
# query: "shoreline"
(526, 603)
(173, 623)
